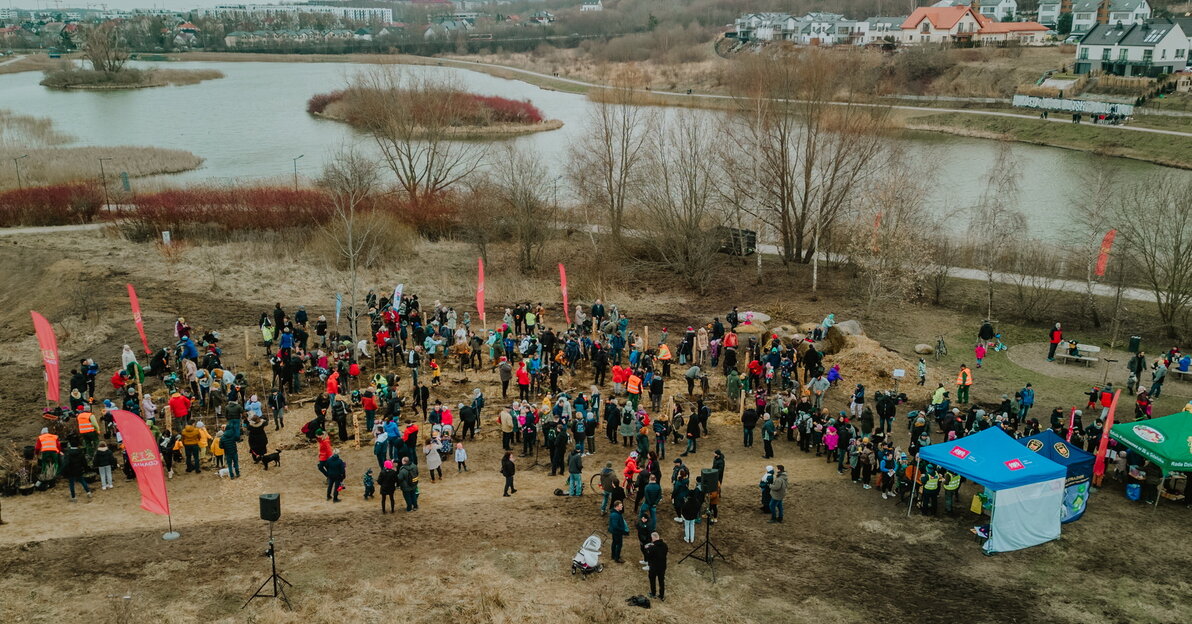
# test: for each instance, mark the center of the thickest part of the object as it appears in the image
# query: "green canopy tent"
(1165, 442)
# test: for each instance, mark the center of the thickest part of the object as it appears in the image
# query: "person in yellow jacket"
(216, 450)
(204, 437)
(964, 379)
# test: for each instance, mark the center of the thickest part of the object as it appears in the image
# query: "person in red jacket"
(368, 403)
(119, 380)
(523, 382)
(180, 407)
(1055, 337)
(333, 383)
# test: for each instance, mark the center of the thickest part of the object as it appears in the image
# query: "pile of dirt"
(865, 361)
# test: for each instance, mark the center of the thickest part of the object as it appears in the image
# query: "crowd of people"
(781, 390)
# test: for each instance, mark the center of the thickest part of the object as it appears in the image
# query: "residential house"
(1186, 26)
(363, 34)
(1152, 48)
(881, 29)
(963, 24)
(996, 10)
(8, 14)
(446, 29)
(1089, 13)
(954, 24)
(592, 5)
(825, 29)
(358, 14)
(542, 17)
(765, 27)
(1022, 33)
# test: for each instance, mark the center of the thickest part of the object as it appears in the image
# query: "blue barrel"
(1133, 491)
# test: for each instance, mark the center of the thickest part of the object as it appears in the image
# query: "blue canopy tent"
(1079, 465)
(1026, 489)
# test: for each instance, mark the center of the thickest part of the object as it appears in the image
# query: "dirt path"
(1033, 356)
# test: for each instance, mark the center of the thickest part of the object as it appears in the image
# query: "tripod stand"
(278, 590)
(707, 546)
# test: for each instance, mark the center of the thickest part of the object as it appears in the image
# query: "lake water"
(250, 125)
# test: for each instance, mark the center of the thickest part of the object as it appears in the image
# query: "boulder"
(756, 317)
(788, 333)
(751, 330)
(924, 349)
(807, 328)
(849, 328)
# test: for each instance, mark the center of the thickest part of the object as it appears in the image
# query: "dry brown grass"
(54, 165)
(27, 131)
(178, 77)
(35, 62)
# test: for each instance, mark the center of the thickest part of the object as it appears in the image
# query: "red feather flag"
(563, 286)
(136, 316)
(49, 354)
(1103, 447)
(145, 457)
(1106, 246)
(480, 291)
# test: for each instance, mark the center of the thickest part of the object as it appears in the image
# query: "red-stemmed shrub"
(61, 204)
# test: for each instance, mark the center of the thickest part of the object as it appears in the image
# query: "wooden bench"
(1086, 359)
(1179, 374)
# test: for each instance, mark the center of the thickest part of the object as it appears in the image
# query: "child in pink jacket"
(831, 441)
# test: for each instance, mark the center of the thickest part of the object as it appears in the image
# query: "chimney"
(1103, 12)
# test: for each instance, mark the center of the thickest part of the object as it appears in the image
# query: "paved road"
(51, 229)
(714, 96)
(12, 60)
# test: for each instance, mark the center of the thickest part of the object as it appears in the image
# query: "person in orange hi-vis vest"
(50, 452)
(634, 388)
(964, 379)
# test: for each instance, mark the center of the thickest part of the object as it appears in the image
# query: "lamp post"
(296, 170)
(16, 162)
(104, 180)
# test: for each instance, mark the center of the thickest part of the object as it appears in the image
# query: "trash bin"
(1135, 343)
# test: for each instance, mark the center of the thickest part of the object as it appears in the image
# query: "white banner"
(1073, 106)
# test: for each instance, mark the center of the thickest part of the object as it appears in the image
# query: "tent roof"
(1058, 450)
(1165, 441)
(993, 459)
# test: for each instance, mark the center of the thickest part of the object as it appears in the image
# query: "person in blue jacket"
(618, 528)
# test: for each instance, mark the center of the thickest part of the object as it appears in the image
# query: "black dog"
(274, 457)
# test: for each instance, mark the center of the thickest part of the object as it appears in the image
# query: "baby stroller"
(587, 560)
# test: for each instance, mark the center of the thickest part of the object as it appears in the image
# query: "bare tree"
(604, 163)
(996, 218)
(1036, 290)
(481, 214)
(889, 244)
(809, 146)
(350, 179)
(682, 203)
(411, 122)
(106, 48)
(1155, 219)
(1094, 217)
(520, 182)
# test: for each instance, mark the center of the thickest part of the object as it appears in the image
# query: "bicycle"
(941, 347)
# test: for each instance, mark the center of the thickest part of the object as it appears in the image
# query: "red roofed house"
(1025, 33)
(959, 24)
(941, 25)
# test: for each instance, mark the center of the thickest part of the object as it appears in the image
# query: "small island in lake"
(442, 111)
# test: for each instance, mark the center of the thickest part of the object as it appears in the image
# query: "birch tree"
(350, 179)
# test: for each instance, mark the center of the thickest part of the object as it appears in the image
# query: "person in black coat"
(258, 439)
(508, 469)
(656, 553)
(336, 471)
(73, 468)
(388, 482)
(718, 465)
